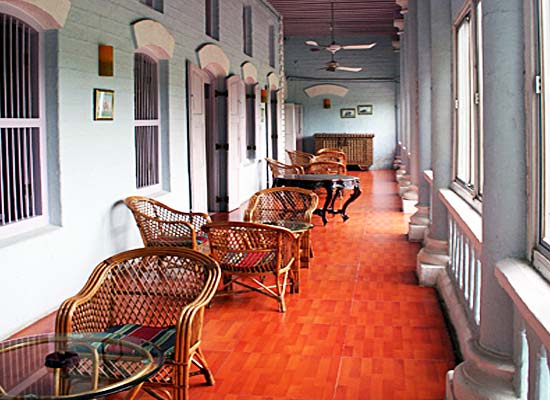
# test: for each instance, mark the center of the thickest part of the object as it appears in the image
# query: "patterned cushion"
(256, 261)
(163, 338)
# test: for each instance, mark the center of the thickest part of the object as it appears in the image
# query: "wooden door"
(197, 138)
(236, 138)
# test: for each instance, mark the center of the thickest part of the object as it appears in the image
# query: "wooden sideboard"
(357, 146)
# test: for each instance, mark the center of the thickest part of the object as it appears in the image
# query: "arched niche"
(213, 59)
(273, 81)
(48, 14)
(249, 73)
(326, 89)
(155, 38)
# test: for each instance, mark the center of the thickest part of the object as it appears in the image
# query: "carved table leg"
(356, 193)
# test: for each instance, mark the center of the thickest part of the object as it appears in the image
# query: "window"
(212, 20)
(147, 122)
(22, 153)
(154, 4)
(271, 45)
(247, 30)
(468, 113)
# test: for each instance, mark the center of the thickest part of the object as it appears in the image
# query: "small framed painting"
(347, 113)
(365, 109)
(104, 103)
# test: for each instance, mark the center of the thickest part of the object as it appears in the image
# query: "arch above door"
(49, 14)
(153, 36)
(249, 73)
(213, 59)
(273, 81)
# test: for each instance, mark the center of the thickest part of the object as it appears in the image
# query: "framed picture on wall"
(365, 109)
(347, 113)
(104, 103)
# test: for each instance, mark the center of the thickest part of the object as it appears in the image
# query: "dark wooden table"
(333, 185)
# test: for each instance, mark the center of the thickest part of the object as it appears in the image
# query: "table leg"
(356, 193)
(322, 212)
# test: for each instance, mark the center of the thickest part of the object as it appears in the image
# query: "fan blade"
(315, 49)
(312, 43)
(349, 69)
(358, 46)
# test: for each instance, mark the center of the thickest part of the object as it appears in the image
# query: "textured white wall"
(96, 158)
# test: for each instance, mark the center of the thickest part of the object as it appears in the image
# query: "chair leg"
(281, 291)
(181, 390)
(200, 361)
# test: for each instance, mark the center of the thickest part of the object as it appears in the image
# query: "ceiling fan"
(333, 47)
(334, 65)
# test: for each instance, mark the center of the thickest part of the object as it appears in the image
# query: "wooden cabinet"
(357, 146)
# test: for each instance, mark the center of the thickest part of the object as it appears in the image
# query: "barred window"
(21, 125)
(154, 4)
(247, 30)
(271, 45)
(147, 122)
(212, 18)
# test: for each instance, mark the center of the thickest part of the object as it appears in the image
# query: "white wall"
(96, 158)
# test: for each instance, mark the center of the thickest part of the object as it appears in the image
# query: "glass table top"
(294, 226)
(75, 366)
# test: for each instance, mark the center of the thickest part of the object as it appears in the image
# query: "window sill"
(27, 235)
(469, 219)
(527, 289)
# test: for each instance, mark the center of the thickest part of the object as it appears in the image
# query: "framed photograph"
(365, 109)
(104, 103)
(347, 113)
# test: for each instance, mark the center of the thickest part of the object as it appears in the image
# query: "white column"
(419, 222)
(433, 258)
(504, 201)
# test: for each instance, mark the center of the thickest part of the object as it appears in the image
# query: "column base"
(400, 173)
(404, 184)
(418, 224)
(431, 261)
(409, 199)
(483, 375)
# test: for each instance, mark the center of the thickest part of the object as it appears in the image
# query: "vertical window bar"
(2, 172)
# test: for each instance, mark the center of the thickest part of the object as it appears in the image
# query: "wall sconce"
(105, 60)
(326, 103)
(263, 95)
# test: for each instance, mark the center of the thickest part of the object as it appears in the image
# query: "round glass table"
(75, 366)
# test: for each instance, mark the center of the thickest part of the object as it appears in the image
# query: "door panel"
(197, 138)
(236, 138)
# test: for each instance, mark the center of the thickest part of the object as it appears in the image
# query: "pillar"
(433, 257)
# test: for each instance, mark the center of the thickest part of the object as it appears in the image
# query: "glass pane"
(464, 106)
(545, 114)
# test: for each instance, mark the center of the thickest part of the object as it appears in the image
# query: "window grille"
(20, 123)
(247, 30)
(147, 123)
(154, 4)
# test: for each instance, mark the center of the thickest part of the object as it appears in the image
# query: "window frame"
(248, 31)
(271, 46)
(41, 220)
(157, 187)
(471, 193)
(212, 19)
(157, 5)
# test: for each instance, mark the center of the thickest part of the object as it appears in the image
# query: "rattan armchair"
(300, 158)
(278, 168)
(163, 290)
(337, 156)
(160, 225)
(326, 167)
(288, 204)
(250, 253)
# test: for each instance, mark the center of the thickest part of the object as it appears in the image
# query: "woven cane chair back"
(300, 158)
(336, 156)
(246, 251)
(160, 225)
(156, 287)
(281, 203)
(278, 168)
(326, 167)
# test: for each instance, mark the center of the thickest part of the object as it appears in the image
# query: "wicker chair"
(248, 253)
(290, 204)
(278, 168)
(162, 289)
(337, 156)
(300, 158)
(326, 167)
(160, 225)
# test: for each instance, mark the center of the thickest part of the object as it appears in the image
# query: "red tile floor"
(360, 328)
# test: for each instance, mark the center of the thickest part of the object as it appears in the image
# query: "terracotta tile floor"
(360, 328)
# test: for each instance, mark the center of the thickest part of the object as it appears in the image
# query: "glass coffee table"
(75, 366)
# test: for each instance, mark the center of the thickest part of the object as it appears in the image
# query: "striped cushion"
(177, 241)
(163, 338)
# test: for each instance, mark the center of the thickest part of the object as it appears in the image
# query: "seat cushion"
(251, 262)
(163, 338)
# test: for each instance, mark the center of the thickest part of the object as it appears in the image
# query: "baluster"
(477, 292)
